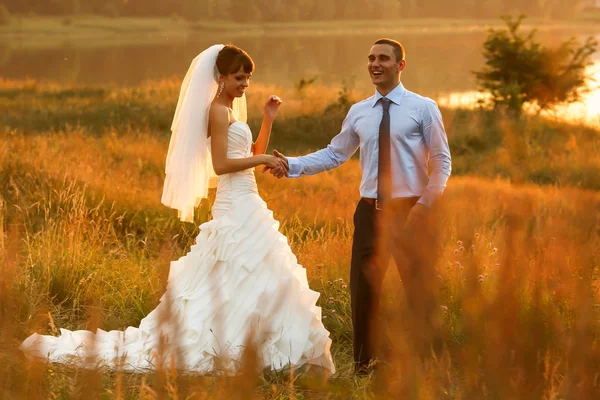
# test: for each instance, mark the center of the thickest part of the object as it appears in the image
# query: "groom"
(400, 135)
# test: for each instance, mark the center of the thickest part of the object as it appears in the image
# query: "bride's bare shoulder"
(218, 112)
(218, 119)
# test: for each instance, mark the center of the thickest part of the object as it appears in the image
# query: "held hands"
(272, 107)
(274, 163)
(280, 169)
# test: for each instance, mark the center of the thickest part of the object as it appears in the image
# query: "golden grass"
(85, 243)
(95, 243)
(483, 143)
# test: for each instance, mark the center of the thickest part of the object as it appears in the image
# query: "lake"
(440, 65)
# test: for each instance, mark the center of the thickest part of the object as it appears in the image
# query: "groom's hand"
(417, 213)
(279, 172)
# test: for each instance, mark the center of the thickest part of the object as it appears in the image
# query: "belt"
(379, 206)
(373, 202)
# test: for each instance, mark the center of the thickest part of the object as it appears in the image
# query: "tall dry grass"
(85, 243)
(483, 143)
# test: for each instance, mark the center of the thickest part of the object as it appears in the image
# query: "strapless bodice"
(237, 184)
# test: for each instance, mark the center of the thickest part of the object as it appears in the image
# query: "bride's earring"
(221, 87)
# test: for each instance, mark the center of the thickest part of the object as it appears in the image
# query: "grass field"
(484, 144)
(85, 243)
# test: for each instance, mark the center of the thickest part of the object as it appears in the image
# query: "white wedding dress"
(239, 279)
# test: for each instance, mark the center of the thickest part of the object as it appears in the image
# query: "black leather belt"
(399, 200)
(373, 202)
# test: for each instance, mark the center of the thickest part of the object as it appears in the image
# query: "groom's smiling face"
(383, 66)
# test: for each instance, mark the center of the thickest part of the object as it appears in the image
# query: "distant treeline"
(298, 10)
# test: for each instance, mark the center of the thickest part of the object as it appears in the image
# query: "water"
(586, 111)
(440, 65)
(436, 63)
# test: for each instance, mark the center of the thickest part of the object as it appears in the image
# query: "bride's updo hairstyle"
(231, 58)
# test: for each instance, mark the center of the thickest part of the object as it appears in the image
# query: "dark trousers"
(377, 236)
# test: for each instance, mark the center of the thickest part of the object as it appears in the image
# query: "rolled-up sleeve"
(341, 148)
(440, 160)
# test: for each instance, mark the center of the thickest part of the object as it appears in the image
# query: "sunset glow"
(586, 111)
(234, 199)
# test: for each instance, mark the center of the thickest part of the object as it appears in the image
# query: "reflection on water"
(440, 65)
(436, 63)
(586, 111)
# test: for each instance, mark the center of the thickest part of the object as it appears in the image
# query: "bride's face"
(237, 83)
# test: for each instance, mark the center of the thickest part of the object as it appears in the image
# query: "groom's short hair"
(398, 48)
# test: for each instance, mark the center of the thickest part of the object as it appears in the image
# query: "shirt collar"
(395, 95)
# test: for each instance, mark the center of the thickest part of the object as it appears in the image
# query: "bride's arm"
(219, 125)
(262, 142)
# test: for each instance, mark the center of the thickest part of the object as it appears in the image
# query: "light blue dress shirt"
(418, 142)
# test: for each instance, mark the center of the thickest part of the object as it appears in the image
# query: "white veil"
(189, 170)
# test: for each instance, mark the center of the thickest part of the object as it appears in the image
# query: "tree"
(519, 70)
(66, 7)
(5, 16)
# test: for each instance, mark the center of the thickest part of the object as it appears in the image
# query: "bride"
(240, 284)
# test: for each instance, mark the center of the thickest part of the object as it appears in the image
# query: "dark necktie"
(384, 175)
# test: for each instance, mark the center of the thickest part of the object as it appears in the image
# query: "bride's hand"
(272, 106)
(282, 170)
(273, 162)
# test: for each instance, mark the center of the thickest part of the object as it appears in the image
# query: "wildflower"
(455, 252)
(444, 308)
(476, 235)
(324, 316)
(331, 298)
(494, 249)
(481, 278)
(459, 243)
(458, 264)
(497, 264)
(461, 249)
(333, 311)
(472, 246)
(344, 286)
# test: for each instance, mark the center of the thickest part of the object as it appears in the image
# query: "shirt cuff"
(295, 167)
(429, 197)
